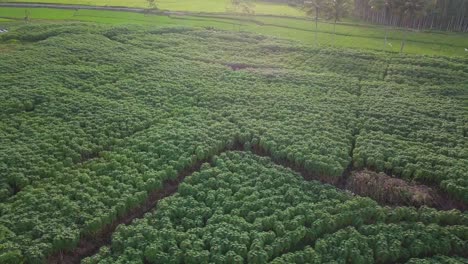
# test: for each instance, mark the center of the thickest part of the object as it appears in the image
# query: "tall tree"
(383, 6)
(411, 9)
(450, 15)
(151, 4)
(314, 7)
(26, 15)
(244, 6)
(337, 10)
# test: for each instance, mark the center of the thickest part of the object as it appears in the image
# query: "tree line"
(446, 15)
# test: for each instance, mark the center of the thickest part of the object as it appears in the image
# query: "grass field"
(348, 35)
(212, 6)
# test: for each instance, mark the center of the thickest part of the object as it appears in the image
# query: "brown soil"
(393, 191)
(384, 189)
(378, 186)
(237, 66)
(250, 67)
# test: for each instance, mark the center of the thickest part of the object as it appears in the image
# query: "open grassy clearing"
(95, 118)
(355, 36)
(211, 6)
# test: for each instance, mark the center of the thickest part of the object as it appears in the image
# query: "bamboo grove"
(95, 117)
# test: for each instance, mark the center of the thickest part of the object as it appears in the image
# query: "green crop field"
(246, 209)
(167, 141)
(212, 6)
(348, 35)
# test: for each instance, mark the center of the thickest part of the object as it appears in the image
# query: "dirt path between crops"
(359, 182)
(89, 245)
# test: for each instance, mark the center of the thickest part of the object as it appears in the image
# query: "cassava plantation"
(161, 133)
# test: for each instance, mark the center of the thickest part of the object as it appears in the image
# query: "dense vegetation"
(450, 15)
(94, 117)
(245, 209)
(444, 15)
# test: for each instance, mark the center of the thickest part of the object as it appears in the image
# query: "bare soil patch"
(393, 191)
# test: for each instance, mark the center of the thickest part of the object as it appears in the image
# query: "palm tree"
(312, 7)
(384, 6)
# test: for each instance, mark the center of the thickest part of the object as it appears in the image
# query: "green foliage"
(94, 117)
(151, 4)
(339, 9)
(243, 6)
(245, 208)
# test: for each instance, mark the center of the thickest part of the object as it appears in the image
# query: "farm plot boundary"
(90, 244)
